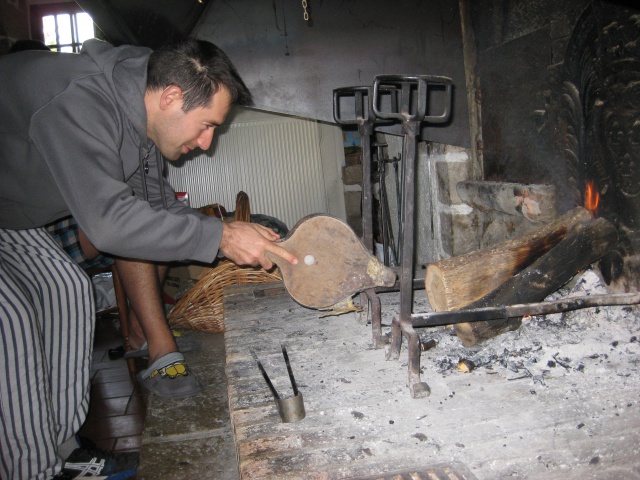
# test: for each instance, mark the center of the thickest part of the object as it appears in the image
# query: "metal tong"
(291, 409)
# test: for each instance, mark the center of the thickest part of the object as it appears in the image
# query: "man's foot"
(90, 461)
(185, 343)
(170, 377)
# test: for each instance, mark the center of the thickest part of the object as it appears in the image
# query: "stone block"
(352, 175)
(452, 167)
(465, 229)
(536, 203)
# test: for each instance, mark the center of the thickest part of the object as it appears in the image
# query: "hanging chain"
(306, 14)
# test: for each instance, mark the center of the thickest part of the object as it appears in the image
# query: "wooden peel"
(333, 264)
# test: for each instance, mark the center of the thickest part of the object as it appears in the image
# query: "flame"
(591, 197)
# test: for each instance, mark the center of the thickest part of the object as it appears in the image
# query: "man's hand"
(247, 243)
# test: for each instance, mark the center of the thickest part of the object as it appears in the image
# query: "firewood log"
(583, 245)
(454, 282)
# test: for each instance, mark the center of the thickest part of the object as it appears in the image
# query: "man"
(76, 244)
(84, 135)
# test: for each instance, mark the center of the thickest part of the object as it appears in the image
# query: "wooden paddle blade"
(333, 264)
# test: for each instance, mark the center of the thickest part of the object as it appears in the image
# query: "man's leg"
(142, 281)
(46, 320)
(168, 374)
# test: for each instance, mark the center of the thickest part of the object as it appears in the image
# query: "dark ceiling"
(292, 66)
(148, 23)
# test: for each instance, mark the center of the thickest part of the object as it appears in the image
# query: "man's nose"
(205, 139)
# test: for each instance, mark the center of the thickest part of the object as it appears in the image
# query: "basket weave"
(201, 307)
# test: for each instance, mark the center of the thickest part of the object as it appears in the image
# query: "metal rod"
(411, 120)
(386, 230)
(293, 380)
(434, 319)
(398, 251)
(418, 284)
(376, 317)
(364, 119)
(266, 377)
(408, 220)
(365, 130)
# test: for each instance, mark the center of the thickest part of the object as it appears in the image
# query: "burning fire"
(591, 197)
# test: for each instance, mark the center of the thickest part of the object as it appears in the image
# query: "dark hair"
(23, 45)
(199, 68)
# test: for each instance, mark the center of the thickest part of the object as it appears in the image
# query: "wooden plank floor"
(535, 422)
(118, 405)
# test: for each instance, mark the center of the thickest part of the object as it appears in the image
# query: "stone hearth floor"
(556, 399)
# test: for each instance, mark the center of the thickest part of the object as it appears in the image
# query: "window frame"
(38, 11)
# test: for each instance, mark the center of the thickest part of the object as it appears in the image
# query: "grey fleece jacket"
(72, 141)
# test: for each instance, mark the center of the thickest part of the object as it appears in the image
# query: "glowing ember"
(591, 197)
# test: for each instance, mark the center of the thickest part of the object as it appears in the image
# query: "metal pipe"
(434, 319)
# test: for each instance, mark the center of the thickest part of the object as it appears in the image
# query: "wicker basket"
(201, 307)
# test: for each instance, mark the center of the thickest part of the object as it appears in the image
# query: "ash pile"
(545, 348)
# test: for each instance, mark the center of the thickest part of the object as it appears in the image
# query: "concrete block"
(353, 204)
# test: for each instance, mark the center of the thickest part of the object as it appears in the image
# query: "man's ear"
(170, 96)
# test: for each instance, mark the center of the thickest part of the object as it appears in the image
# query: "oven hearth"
(535, 403)
(572, 342)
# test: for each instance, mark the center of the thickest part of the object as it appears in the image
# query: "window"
(61, 26)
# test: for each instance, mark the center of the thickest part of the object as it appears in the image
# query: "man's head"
(199, 68)
(190, 89)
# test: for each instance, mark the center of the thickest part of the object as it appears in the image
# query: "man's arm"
(90, 175)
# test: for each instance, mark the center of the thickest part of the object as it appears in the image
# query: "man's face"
(175, 132)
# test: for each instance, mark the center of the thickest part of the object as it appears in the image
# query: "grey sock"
(68, 447)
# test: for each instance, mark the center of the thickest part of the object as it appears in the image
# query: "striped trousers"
(46, 322)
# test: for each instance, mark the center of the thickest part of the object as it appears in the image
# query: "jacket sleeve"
(79, 134)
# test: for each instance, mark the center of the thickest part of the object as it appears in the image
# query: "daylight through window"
(65, 32)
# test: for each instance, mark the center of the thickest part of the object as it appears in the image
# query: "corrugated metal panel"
(277, 163)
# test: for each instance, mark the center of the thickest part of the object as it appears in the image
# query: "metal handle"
(407, 83)
(362, 115)
(358, 93)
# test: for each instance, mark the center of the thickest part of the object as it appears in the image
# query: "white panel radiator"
(277, 163)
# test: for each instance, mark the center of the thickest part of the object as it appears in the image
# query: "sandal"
(170, 377)
(185, 344)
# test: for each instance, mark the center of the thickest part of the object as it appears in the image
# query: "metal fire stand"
(365, 119)
(417, 87)
(413, 92)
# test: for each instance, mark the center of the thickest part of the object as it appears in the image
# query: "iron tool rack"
(394, 99)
